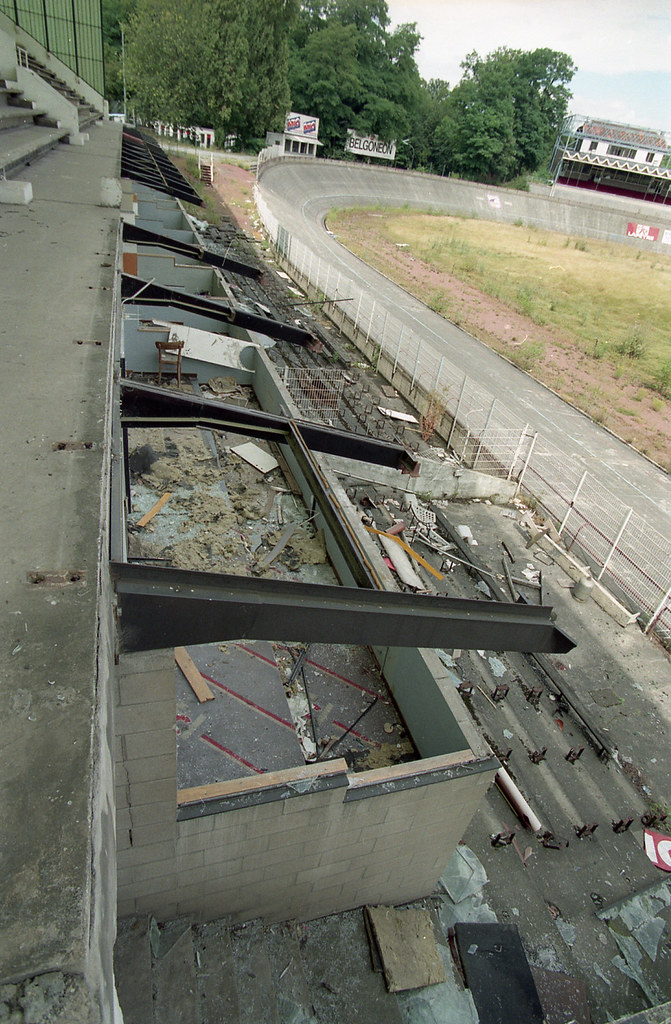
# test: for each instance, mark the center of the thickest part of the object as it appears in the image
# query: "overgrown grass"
(612, 302)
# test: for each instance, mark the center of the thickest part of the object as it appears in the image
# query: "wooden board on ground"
(148, 516)
(407, 946)
(193, 676)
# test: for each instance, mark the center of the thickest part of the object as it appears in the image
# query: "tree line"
(239, 67)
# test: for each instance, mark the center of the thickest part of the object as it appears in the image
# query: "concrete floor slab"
(56, 267)
(247, 729)
(132, 969)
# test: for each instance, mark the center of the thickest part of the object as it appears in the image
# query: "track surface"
(301, 193)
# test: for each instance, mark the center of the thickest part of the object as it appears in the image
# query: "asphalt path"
(301, 193)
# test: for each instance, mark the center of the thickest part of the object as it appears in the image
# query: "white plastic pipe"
(516, 800)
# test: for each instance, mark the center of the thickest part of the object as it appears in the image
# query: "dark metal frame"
(160, 607)
(142, 236)
(136, 291)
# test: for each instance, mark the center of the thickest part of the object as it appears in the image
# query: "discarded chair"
(170, 354)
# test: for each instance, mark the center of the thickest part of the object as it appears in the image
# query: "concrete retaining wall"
(570, 211)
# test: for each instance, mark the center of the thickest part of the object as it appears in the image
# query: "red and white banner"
(644, 231)
(658, 849)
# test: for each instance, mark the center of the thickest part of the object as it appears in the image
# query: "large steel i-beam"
(145, 405)
(159, 608)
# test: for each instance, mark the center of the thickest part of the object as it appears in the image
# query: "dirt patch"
(234, 185)
(552, 356)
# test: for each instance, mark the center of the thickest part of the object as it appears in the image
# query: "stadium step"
(217, 973)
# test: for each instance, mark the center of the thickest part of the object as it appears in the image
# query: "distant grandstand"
(617, 158)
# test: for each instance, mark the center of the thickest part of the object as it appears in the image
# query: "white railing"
(627, 555)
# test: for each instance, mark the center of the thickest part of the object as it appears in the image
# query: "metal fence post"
(456, 411)
(484, 431)
(370, 322)
(414, 372)
(398, 350)
(517, 450)
(358, 310)
(616, 542)
(526, 463)
(572, 502)
(658, 610)
(379, 355)
(440, 370)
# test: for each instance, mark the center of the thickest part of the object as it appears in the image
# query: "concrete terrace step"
(253, 976)
(20, 145)
(213, 973)
(217, 987)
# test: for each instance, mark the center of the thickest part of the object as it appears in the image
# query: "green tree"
(347, 69)
(211, 62)
(503, 116)
(265, 94)
(115, 14)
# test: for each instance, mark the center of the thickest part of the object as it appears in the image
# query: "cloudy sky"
(622, 47)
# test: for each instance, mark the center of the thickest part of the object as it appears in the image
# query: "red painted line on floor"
(255, 654)
(182, 718)
(359, 735)
(230, 753)
(344, 679)
(250, 703)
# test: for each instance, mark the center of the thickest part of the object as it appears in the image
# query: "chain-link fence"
(626, 554)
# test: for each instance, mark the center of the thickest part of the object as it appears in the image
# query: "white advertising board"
(369, 145)
(302, 125)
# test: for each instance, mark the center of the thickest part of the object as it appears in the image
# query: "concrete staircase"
(250, 974)
(86, 112)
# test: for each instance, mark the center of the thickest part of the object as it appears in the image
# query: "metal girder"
(144, 161)
(145, 405)
(134, 233)
(136, 291)
(159, 608)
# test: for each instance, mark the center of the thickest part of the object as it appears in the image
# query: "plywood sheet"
(407, 947)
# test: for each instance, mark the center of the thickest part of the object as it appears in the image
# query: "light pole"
(123, 72)
(407, 142)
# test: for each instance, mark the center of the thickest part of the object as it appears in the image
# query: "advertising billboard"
(302, 125)
(644, 231)
(369, 145)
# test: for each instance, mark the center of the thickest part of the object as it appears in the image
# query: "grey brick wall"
(300, 843)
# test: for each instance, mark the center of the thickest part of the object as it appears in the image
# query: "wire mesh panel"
(317, 393)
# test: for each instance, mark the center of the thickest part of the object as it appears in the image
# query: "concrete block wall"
(145, 777)
(295, 844)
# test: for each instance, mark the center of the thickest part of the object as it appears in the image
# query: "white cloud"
(602, 36)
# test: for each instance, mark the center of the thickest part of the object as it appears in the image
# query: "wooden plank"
(193, 676)
(286, 776)
(148, 516)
